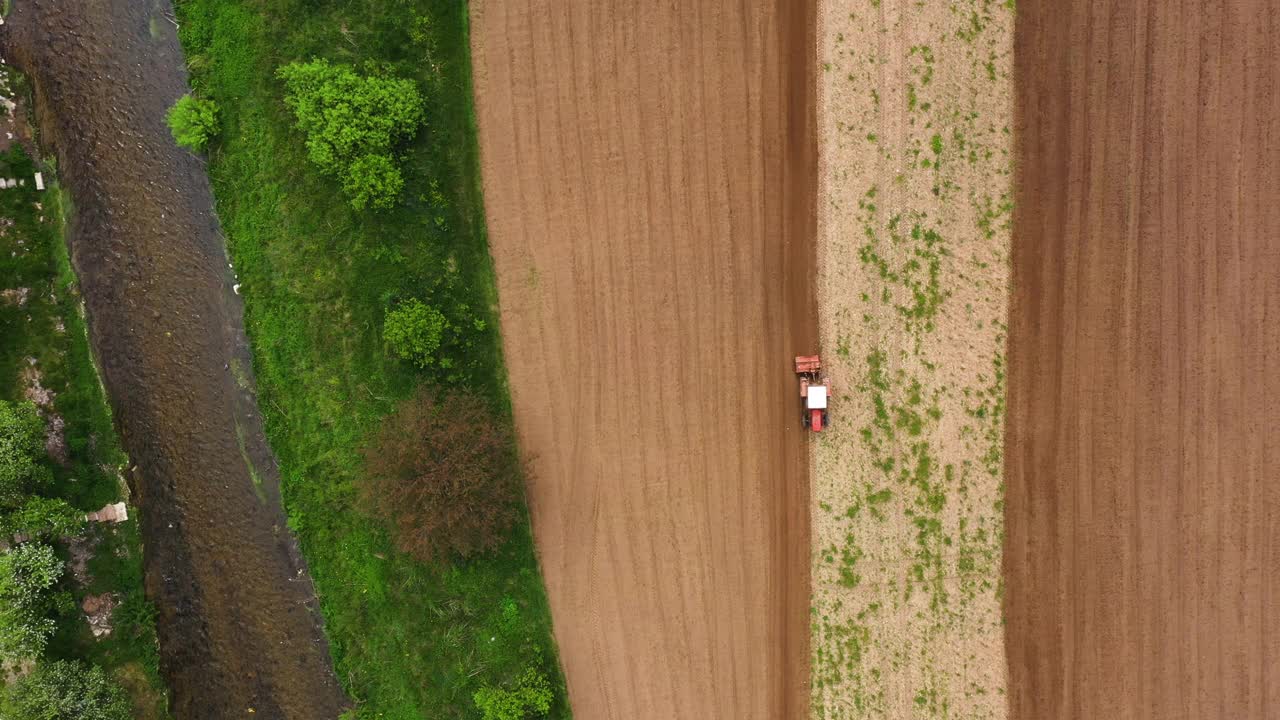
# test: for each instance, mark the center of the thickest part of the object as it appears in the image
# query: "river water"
(239, 625)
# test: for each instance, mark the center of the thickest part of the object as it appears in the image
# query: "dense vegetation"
(530, 694)
(352, 124)
(410, 639)
(21, 444)
(65, 690)
(444, 474)
(45, 488)
(28, 574)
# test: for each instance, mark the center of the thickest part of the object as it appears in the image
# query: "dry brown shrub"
(444, 473)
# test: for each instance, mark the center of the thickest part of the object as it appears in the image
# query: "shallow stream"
(239, 627)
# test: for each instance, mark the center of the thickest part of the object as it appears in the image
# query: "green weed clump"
(410, 639)
(193, 122)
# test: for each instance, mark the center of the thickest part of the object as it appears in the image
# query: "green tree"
(21, 446)
(28, 573)
(193, 122)
(352, 123)
(530, 697)
(413, 331)
(66, 690)
(42, 516)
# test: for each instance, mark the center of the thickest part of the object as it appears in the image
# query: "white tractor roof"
(817, 397)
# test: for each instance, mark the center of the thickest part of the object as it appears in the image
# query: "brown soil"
(649, 173)
(1143, 511)
(238, 625)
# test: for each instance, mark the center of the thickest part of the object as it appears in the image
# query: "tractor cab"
(815, 402)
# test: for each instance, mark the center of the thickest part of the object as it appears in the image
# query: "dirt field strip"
(649, 175)
(914, 201)
(1144, 363)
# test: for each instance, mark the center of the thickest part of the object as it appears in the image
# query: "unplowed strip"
(1143, 511)
(649, 173)
(913, 242)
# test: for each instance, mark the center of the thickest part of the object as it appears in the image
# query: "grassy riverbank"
(409, 640)
(43, 345)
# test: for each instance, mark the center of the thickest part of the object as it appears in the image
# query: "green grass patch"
(409, 640)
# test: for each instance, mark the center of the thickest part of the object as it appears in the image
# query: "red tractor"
(813, 391)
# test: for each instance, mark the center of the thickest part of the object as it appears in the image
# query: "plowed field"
(1143, 508)
(649, 173)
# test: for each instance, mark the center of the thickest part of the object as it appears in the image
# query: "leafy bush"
(193, 122)
(43, 516)
(352, 123)
(444, 473)
(530, 697)
(21, 446)
(66, 690)
(28, 573)
(413, 331)
(373, 181)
